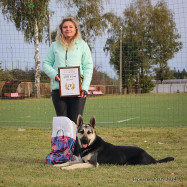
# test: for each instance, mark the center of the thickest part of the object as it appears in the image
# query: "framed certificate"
(70, 82)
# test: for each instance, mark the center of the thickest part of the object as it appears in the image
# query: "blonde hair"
(60, 37)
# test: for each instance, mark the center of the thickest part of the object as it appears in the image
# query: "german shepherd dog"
(94, 151)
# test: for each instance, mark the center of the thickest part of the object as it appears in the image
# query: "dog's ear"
(92, 122)
(79, 120)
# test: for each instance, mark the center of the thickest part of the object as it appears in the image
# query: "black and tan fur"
(94, 151)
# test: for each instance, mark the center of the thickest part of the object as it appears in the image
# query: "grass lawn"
(149, 110)
(156, 123)
(22, 156)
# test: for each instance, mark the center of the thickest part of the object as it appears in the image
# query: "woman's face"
(68, 29)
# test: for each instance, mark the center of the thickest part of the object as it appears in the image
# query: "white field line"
(121, 121)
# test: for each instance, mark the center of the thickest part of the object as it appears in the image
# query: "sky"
(15, 53)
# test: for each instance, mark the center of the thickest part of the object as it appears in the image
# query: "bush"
(146, 84)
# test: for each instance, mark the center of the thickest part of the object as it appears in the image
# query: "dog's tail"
(168, 159)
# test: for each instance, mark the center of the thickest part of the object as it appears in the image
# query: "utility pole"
(95, 58)
(120, 61)
(12, 58)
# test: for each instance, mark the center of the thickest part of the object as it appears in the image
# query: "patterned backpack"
(62, 141)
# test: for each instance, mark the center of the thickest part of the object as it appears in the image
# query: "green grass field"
(22, 157)
(149, 110)
(156, 123)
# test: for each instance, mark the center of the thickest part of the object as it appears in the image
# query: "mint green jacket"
(79, 55)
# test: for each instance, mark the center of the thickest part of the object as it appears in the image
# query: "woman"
(69, 50)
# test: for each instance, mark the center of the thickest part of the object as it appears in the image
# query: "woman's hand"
(57, 78)
(83, 94)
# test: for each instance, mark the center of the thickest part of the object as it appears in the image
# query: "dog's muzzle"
(85, 142)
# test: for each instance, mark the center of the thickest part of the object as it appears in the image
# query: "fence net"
(139, 52)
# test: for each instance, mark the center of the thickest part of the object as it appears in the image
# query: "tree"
(137, 29)
(31, 18)
(180, 74)
(5, 76)
(18, 74)
(1, 67)
(165, 40)
(1, 71)
(145, 45)
(184, 74)
(163, 73)
(146, 84)
(101, 78)
(134, 30)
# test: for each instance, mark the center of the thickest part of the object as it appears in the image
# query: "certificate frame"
(70, 81)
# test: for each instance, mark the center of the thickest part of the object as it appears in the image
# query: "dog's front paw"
(62, 165)
(66, 168)
(75, 158)
(57, 165)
